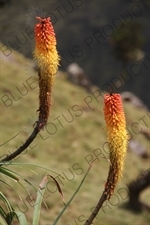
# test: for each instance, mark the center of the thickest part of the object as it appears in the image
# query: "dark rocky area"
(84, 31)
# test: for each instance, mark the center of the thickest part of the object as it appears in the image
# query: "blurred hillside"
(84, 31)
(74, 136)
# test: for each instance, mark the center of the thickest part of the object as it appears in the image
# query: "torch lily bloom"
(117, 139)
(47, 59)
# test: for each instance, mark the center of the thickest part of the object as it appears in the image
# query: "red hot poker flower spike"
(117, 138)
(48, 60)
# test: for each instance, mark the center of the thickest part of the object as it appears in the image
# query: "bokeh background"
(85, 32)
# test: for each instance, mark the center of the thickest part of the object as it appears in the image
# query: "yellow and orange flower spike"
(47, 59)
(117, 138)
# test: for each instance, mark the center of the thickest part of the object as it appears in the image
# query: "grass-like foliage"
(9, 215)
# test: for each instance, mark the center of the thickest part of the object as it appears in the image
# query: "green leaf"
(15, 176)
(8, 205)
(9, 173)
(2, 212)
(21, 218)
(9, 217)
(2, 221)
(37, 207)
(72, 197)
(28, 164)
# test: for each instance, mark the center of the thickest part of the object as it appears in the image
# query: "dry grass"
(67, 151)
